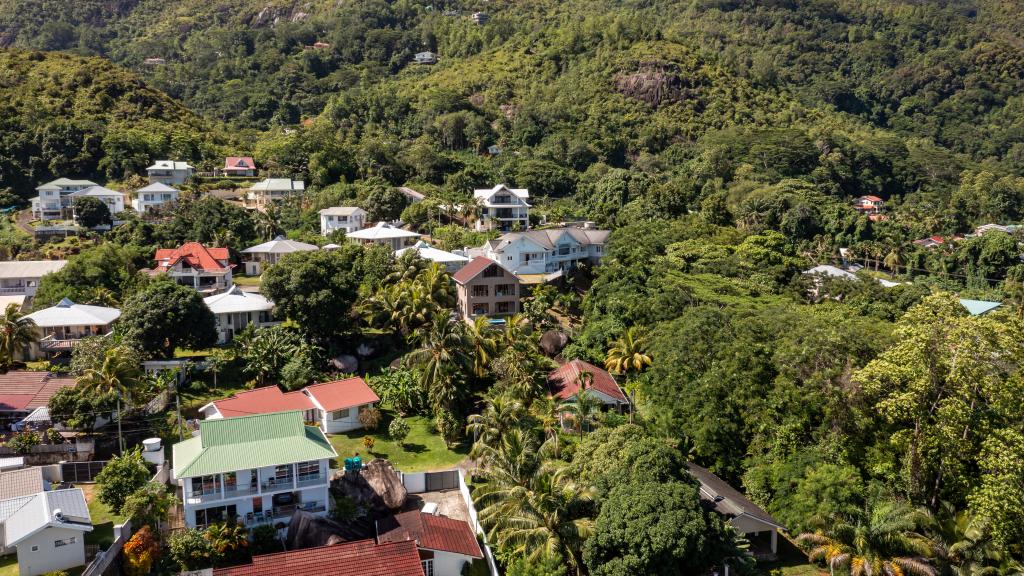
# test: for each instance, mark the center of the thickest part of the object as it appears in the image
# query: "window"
(204, 485)
(503, 307)
(308, 470)
(505, 290)
(480, 309)
(480, 291)
(341, 414)
(428, 567)
(493, 272)
(35, 548)
(64, 542)
(563, 250)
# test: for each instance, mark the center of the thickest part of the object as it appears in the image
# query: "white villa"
(384, 234)
(21, 277)
(53, 201)
(112, 198)
(272, 190)
(170, 172)
(192, 264)
(153, 196)
(545, 251)
(503, 208)
(236, 309)
(63, 325)
(260, 256)
(451, 262)
(334, 406)
(347, 218)
(255, 469)
(48, 529)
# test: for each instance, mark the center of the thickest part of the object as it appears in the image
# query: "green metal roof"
(230, 444)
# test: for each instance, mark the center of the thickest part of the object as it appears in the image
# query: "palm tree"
(546, 411)
(118, 374)
(893, 260)
(882, 542)
(267, 226)
(227, 537)
(16, 332)
(583, 407)
(441, 353)
(485, 345)
(626, 356)
(500, 415)
(962, 541)
(543, 517)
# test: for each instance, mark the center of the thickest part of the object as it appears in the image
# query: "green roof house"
(259, 469)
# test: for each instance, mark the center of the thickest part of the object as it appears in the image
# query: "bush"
(368, 442)
(53, 436)
(265, 540)
(141, 552)
(120, 478)
(23, 442)
(398, 430)
(190, 549)
(369, 418)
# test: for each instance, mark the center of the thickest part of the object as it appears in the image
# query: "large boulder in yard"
(553, 342)
(377, 487)
(308, 531)
(345, 363)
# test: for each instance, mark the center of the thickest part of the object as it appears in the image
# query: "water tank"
(151, 444)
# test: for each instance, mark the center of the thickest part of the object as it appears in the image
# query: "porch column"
(775, 540)
(221, 477)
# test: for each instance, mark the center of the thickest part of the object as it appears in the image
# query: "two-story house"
(255, 469)
(484, 288)
(869, 205)
(333, 406)
(21, 277)
(270, 190)
(170, 172)
(346, 218)
(258, 257)
(236, 309)
(62, 326)
(192, 264)
(503, 208)
(153, 196)
(239, 166)
(546, 251)
(112, 198)
(384, 234)
(52, 202)
(425, 58)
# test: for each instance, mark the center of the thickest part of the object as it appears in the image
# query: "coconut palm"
(628, 353)
(118, 374)
(543, 517)
(16, 332)
(482, 338)
(545, 411)
(881, 542)
(584, 409)
(963, 542)
(893, 260)
(441, 353)
(267, 223)
(500, 415)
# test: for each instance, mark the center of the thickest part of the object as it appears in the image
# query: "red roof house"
(239, 166)
(24, 391)
(484, 288)
(334, 406)
(195, 265)
(360, 558)
(440, 539)
(564, 383)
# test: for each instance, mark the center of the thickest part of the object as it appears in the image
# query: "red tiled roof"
(471, 270)
(362, 558)
(22, 390)
(341, 394)
(195, 254)
(239, 163)
(564, 381)
(870, 198)
(266, 400)
(431, 532)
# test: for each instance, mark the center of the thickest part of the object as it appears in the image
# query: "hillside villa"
(112, 198)
(61, 327)
(170, 172)
(270, 190)
(256, 469)
(384, 234)
(21, 277)
(236, 309)
(53, 202)
(153, 196)
(503, 208)
(239, 166)
(545, 251)
(451, 262)
(206, 269)
(484, 288)
(346, 218)
(566, 382)
(258, 257)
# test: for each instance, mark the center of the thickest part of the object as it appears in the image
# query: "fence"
(76, 472)
(104, 562)
(475, 522)
(418, 482)
(45, 454)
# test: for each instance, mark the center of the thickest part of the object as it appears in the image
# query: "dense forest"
(722, 141)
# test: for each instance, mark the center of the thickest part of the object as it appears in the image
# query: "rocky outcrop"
(553, 342)
(306, 531)
(377, 488)
(656, 84)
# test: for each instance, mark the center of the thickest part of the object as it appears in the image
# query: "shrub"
(53, 436)
(190, 549)
(265, 540)
(141, 552)
(369, 418)
(398, 430)
(120, 478)
(368, 442)
(23, 442)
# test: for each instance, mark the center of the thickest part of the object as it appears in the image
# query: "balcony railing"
(311, 480)
(278, 483)
(236, 491)
(53, 344)
(281, 512)
(13, 289)
(203, 497)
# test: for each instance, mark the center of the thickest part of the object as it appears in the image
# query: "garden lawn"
(9, 565)
(103, 519)
(246, 280)
(422, 450)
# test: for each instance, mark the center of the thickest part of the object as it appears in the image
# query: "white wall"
(50, 558)
(448, 564)
(332, 426)
(415, 482)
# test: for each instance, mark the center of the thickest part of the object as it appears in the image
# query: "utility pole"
(120, 437)
(177, 403)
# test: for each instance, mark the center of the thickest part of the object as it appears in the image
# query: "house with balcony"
(154, 196)
(61, 327)
(346, 218)
(236, 309)
(53, 202)
(546, 251)
(332, 406)
(239, 166)
(268, 190)
(21, 277)
(384, 234)
(112, 198)
(503, 208)
(484, 288)
(256, 470)
(170, 172)
(208, 270)
(258, 257)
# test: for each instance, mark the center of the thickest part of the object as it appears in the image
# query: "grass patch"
(246, 280)
(422, 450)
(186, 353)
(9, 565)
(193, 400)
(792, 562)
(103, 519)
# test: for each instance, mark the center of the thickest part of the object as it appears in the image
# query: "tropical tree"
(882, 541)
(118, 374)
(546, 411)
(227, 539)
(583, 407)
(441, 353)
(628, 353)
(500, 415)
(962, 541)
(16, 332)
(484, 344)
